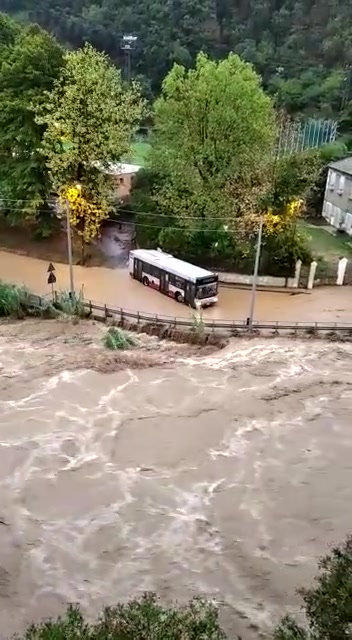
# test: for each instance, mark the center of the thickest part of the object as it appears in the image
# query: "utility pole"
(128, 44)
(255, 274)
(69, 249)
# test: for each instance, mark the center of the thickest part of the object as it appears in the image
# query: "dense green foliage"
(90, 117)
(118, 339)
(328, 603)
(142, 619)
(302, 48)
(12, 300)
(17, 302)
(213, 171)
(30, 61)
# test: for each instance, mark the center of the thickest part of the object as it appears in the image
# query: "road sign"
(51, 278)
(51, 268)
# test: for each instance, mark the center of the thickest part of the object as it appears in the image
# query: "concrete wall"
(123, 184)
(263, 281)
(305, 277)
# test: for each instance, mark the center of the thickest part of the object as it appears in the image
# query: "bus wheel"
(178, 297)
(145, 281)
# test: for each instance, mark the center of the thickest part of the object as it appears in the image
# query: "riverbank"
(68, 344)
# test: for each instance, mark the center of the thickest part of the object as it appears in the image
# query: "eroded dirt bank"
(225, 474)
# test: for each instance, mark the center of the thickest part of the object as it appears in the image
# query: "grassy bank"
(324, 244)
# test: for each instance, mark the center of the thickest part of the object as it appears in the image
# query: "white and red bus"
(178, 279)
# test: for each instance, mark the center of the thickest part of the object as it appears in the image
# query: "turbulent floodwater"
(224, 475)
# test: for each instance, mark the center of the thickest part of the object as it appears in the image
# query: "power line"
(173, 228)
(135, 212)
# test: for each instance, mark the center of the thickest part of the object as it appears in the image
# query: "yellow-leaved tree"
(90, 118)
(86, 215)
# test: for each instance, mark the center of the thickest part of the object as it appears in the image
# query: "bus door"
(137, 269)
(164, 282)
(189, 293)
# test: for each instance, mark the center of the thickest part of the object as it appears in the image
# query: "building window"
(332, 180)
(121, 181)
(337, 216)
(341, 185)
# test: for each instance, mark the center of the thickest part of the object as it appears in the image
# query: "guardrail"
(106, 312)
(229, 325)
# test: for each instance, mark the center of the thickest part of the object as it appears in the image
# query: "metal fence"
(104, 312)
(140, 317)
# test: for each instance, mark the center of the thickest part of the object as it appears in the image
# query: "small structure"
(123, 175)
(337, 207)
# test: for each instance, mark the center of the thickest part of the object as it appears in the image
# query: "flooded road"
(225, 475)
(115, 288)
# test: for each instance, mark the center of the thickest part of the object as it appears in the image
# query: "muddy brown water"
(115, 288)
(226, 476)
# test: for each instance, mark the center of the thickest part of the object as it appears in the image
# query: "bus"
(175, 278)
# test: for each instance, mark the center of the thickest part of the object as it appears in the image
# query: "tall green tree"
(214, 125)
(90, 117)
(30, 62)
(214, 131)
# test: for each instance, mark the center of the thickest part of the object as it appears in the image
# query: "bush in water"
(116, 338)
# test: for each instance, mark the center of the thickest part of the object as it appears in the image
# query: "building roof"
(344, 166)
(178, 267)
(121, 168)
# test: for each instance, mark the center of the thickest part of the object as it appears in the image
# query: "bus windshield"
(208, 290)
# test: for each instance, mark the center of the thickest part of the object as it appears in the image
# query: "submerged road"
(115, 288)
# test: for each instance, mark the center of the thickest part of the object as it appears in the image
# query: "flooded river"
(225, 475)
(115, 288)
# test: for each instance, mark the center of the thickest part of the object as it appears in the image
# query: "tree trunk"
(83, 254)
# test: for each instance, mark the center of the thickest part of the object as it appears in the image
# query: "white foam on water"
(163, 516)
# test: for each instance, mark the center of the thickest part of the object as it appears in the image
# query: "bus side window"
(172, 279)
(179, 283)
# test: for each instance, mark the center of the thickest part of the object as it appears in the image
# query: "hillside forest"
(301, 48)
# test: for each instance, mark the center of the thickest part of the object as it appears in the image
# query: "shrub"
(327, 604)
(13, 300)
(140, 619)
(70, 305)
(116, 338)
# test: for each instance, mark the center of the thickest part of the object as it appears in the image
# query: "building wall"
(337, 209)
(123, 184)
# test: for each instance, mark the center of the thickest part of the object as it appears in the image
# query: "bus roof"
(175, 266)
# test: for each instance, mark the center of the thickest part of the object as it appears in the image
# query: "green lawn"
(325, 244)
(139, 152)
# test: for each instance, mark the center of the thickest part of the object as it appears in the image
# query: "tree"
(140, 619)
(328, 604)
(30, 61)
(90, 118)
(214, 128)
